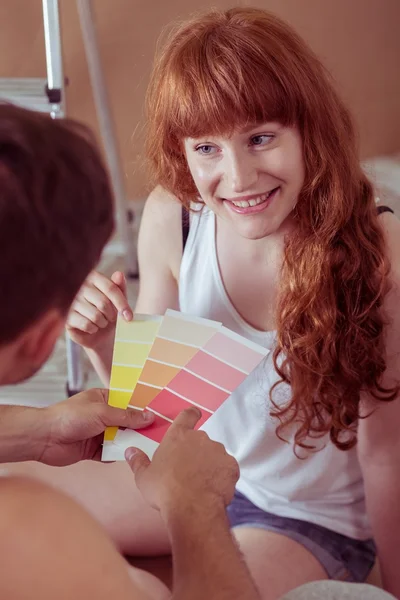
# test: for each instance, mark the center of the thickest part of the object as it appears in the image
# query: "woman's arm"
(159, 253)
(91, 322)
(379, 436)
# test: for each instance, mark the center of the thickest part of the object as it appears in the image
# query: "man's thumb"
(137, 460)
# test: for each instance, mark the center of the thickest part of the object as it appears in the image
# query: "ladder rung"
(29, 92)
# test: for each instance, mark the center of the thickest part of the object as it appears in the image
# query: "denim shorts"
(343, 558)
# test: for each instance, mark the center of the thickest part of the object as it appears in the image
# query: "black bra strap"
(185, 226)
(382, 209)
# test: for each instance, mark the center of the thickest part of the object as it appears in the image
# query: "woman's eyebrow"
(252, 126)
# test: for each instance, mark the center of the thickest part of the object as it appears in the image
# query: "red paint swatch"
(157, 429)
(169, 405)
(215, 371)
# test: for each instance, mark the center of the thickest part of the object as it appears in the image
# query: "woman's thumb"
(119, 279)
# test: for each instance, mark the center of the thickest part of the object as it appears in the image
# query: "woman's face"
(251, 179)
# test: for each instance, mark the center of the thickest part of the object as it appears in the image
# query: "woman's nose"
(241, 174)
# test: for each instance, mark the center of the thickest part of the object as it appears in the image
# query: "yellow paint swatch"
(126, 353)
(124, 378)
(133, 342)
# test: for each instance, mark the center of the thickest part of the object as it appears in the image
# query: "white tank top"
(326, 487)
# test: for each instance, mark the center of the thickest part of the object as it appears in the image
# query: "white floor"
(49, 385)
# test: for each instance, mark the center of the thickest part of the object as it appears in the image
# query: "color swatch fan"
(192, 361)
(132, 344)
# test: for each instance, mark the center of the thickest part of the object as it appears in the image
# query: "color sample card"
(178, 340)
(208, 379)
(205, 380)
(133, 341)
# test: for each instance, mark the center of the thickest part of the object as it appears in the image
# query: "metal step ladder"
(44, 95)
(48, 95)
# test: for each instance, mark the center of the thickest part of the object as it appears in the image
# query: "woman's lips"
(251, 210)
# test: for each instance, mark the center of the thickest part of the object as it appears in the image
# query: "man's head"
(56, 214)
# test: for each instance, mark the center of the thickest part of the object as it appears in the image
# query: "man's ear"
(38, 341)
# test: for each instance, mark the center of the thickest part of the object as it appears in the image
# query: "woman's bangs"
(218, 98)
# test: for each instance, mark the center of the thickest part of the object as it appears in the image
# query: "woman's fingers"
(100, 301)
(113, 292)
(79, 323)
(90, 312)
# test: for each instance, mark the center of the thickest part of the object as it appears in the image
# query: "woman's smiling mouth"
(251, 204)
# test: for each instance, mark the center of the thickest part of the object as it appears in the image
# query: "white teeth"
(253, 201)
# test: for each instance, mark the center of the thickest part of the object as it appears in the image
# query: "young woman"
(286, 246)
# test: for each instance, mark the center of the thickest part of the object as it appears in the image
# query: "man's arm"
(22, 433)
(191, 480)
(206, 559)
(379, 437)
(35, 519)
(64, 433)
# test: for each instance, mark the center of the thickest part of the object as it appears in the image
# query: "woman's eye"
(205, 149)
(261, 140)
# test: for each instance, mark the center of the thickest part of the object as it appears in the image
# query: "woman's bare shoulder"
(162, 206)
(160, 236)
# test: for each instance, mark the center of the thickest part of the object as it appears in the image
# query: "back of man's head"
(56, 215)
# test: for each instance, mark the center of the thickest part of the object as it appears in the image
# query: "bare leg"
(61, 551)
(109, 493)
(149, 584)
(277, 563)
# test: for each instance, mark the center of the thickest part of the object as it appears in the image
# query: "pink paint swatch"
(201, 392)
(215, 371)
(227, 347)
(207, 380)
(192, 362)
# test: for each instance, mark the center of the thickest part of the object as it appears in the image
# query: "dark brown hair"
(56, 214)
(227, 68)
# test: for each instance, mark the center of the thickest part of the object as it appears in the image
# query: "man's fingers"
(97, 394)
(129, 418)
(136, 419)
(187, 418)
(91, 396)
(138, 462)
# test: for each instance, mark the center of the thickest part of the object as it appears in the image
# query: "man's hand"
(74, 428)
(191, 480)
(186, 468)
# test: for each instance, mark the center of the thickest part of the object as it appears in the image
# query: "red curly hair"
(228, 68)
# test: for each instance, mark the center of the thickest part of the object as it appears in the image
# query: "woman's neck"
(269, 246)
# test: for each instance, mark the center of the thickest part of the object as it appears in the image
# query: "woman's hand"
(92, 319)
